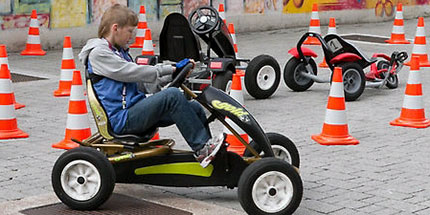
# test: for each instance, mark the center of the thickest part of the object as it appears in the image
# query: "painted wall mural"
(75, 13)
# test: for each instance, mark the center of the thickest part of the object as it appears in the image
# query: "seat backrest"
(177, 40)
(99, 114)
(338, 45)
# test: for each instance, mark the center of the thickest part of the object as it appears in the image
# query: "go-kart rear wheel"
(282, 147)
(262, 76)
(354, 80)
(292, 77)
(270, 186)
(392, 80)
(222, 80)
(83, 178)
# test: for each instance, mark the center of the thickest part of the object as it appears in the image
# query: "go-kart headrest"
(177, 40)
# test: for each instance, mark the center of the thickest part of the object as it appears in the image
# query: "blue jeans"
(166, 108)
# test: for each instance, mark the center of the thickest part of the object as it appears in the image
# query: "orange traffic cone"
(77, 126)
(412, 114)
(8, 124)
(148, 48)
(420, 46)
(33, 46)
(221, 13)
(233, 36)
(141, 26)
(234, 144)
(335, 128)
(4, 60)
(314, 26)
(398, 32)
(67, 68)
(331, 30)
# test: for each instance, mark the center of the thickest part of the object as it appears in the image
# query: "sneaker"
(208, 152)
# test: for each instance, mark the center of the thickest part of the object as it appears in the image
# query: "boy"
(115, 79)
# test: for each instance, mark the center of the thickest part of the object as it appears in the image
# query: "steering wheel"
(204, 19)
(180, 77)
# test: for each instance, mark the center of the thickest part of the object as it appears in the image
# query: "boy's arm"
(106, 63)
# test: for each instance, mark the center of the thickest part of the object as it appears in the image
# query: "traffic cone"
(221, 13)
(67, 68)
(8, 124)
(413, 114)
(331, 30)
(335, 128)
(420, 46)
(4, 60)
(33, 46)
(77, 126)
(314, 26)
(233, 36)
(141, 26)
(398, 32)
(148, 48)
(234, 144)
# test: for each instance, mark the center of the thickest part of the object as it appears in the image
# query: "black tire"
(282, 147)
(97, 167)
(393, 80)
(257, 183)
(222, 80)
(292, 77)
(262, 76)
(354, 80)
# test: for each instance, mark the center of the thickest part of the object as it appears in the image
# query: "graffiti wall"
(76, 13)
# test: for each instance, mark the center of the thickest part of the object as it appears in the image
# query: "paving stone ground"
(387, 173)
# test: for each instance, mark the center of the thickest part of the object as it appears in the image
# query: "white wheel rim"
(228, 87)
(80, 180)
(282, 153)
(266, 77)
(272, 192)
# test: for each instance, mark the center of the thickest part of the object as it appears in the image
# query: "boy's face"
(122, 35)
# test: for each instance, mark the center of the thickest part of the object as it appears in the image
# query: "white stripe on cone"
(414, 77)
(398, 29)
(142, 17)
(77, 93)
(315, 29)
(399, 15)
(413, 102)
(140, 32)
(336, 90)
(33, 39)
(3, 60)
(331, 30)
(34, 23)
(147, 45)
(314, 15)
(66, 75)
(419, 49)
(77, 121)
(421, 32)
(67, 54)
(5, 86)
(7, 112)
(335, 117)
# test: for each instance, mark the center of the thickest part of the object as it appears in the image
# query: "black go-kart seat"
(103, 124)
(337, 45)
(178, 41)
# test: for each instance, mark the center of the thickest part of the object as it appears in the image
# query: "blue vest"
(110, 93)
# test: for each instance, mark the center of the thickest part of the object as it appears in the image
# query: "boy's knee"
(174, 93)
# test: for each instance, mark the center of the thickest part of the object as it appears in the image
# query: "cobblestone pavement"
(387, 173)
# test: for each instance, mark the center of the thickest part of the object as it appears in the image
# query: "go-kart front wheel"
(83, 178)
(354, 80)
(282, 147)
(262, 76)
(392, 80)
(292, 74)
(270, 186)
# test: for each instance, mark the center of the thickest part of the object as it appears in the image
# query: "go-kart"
(83, 178)
(300, 72)
(178, 40)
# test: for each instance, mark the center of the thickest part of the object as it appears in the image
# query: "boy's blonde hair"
(117, 14)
